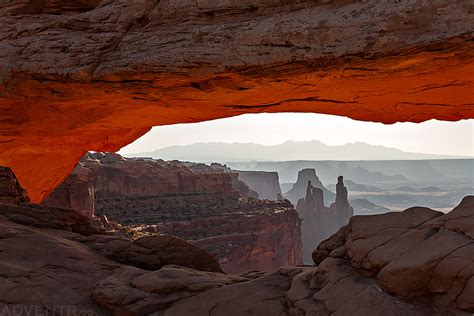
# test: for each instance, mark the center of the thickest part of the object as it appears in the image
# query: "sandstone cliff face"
(95, 75)
(251, 235)
(266, 184)
(114, 174)
(199, 203)
(299, 189)
(76, 192)
(100, 176)
(319, 221)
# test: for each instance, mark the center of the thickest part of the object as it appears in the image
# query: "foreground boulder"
(44, 269)
(147, 292)
(330, 289)
(418, 254)
(152, 252)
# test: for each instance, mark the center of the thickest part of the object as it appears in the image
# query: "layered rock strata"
(96, 75)
(320, 222)
(202, 204)
(248, 235)
(102, 179)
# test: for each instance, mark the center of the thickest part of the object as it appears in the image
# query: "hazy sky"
(433, 137)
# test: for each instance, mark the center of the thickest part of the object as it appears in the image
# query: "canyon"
(366, 268)
(103, 73)
(96, 235)
(379, 186)
(207, 205)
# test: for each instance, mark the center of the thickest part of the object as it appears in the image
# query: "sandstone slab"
(418, 254)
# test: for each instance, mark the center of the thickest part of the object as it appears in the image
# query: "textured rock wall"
(75, 192)
(251, 235)
(111, 174)
(10, 190)
(133, 189)
(97, 75)
(319, 221)
(266, 184)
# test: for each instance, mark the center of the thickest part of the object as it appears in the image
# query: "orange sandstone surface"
(98, 75)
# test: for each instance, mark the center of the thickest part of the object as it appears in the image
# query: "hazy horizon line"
(307, 141)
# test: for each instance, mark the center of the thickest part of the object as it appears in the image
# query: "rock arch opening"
(216, 185)
(95, 75)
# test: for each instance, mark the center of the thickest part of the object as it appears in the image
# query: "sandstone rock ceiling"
(95, 75)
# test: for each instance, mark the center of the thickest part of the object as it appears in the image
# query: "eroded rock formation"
(299, 189)
(266, 184)
(96, 75)
(319, 221)
(202, 204)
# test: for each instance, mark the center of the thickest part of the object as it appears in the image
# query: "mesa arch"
(95, 75)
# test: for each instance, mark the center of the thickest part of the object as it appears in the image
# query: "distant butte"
(92, 75)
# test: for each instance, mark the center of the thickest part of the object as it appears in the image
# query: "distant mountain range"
(287, 151)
